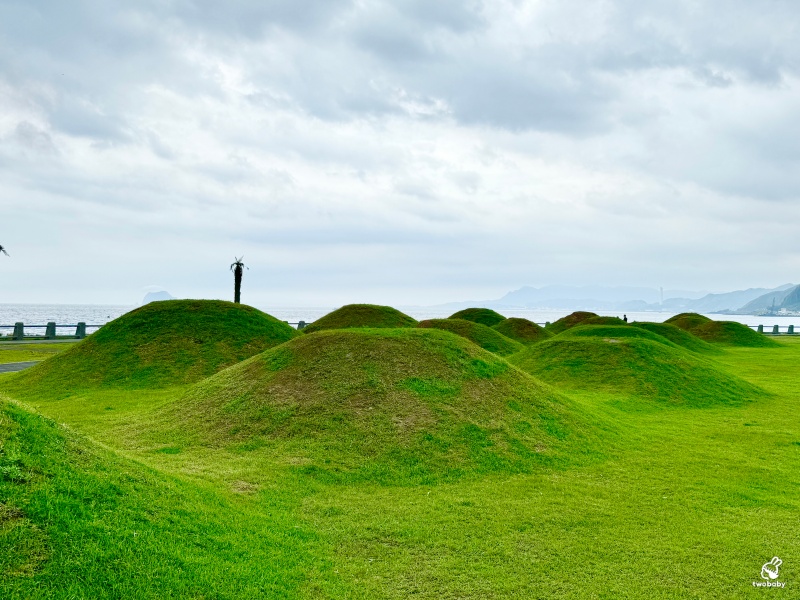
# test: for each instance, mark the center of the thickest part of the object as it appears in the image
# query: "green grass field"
(400, 463)
(24, 352)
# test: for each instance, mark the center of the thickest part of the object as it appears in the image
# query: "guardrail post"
(775, 329)
(19, 331)
(301, 325)
(547, 323)
(760, 329)
(80, 332)
(791, 329)
(50, 331)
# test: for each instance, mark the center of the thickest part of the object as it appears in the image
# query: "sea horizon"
(100, 314)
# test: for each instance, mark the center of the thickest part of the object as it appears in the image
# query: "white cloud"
(404, 151)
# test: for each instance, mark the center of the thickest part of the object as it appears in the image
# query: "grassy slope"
(485, 337)
(678, 336)
(522, 330)
(569, 321)
(381, 404)
(729, 333)
(76, 521)
(484, 316)
(688, 504)
(733, 334)
(599, 357)
(361, 315)
(160, 344)
(687, 321)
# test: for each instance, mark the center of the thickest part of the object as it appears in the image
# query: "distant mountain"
(792, 299)
(729, 301)
(565, 296)
(787, 298)
(156, 296)
(626, 299)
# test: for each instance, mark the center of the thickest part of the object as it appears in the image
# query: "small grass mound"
(688, 321)
(485, 337)
(484, 316)
(569, 321)
(522, 330)
(157, 345)
(729, 333)
(635, 367)
(733, 334)
(361, 315)
(678, 336)
(378, 404)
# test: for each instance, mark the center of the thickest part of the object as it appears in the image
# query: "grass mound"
(634, 366)
(379, 404)
(688, 321)
(678, 336)
(485, 337)
(484, 316)
(160, 344)
(522, 330)
(361, 315)
(569, 321)
(69, 509)
(730, 333)
(733, 334)
(613, 333)
(603, 321)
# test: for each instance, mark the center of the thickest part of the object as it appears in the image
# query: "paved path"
(18, 366)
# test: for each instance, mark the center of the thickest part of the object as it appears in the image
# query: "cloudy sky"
(398, 152)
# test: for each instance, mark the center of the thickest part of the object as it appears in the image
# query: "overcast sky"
(404, 152)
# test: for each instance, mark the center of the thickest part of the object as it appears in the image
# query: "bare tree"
(237, 268)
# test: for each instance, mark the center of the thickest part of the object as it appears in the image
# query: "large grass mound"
(729, 333)
(361, 315)
(634, 366)
(160, 344)
(569, 321)
(484, 316)
(380, 404)
(485, 337)
(522, 330)
(678, 336)
(732, 334)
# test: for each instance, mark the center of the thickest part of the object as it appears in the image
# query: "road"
(17, 366)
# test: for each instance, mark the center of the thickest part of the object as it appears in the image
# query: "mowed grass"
(677, 501)
(23, 352)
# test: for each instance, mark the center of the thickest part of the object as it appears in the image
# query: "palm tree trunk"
(237, 284)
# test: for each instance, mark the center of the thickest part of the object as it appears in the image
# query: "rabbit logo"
(770, 570)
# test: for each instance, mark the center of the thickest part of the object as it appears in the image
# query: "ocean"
(100, 314)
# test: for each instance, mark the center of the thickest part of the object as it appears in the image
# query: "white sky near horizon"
(404, 152)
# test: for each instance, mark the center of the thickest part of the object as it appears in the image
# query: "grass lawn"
(23, 352)
(677, 501)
